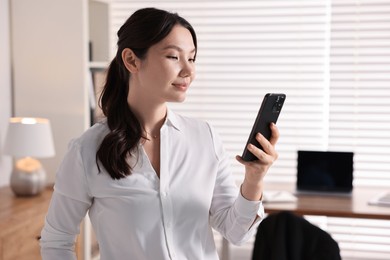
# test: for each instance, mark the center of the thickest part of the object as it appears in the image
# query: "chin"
(178, 99)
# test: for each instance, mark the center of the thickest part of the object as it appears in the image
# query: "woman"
(154, 183)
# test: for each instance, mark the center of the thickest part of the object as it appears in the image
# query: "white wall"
(5, 89)
(50, 67)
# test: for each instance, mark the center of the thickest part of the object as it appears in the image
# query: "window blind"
(360, 87)
(359, 113)
(331, 58)
(247, 49)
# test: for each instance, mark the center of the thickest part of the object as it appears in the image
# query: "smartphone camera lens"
(276, 108)
(278, 105)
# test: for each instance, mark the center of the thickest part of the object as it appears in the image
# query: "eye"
(172, 57)
(191, 60)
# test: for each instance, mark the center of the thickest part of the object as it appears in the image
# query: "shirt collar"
(172, 120)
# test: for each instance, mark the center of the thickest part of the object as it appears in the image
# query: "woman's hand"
(252, 187)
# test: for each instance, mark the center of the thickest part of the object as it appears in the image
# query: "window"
(331, 59)
(359, 105)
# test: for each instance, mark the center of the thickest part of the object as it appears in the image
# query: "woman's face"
(168, 69)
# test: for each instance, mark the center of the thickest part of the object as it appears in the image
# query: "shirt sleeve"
(235, 217)
(68, 206)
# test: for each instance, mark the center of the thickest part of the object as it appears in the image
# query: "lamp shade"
(28, 136)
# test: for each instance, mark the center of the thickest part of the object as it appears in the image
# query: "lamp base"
(28, 182)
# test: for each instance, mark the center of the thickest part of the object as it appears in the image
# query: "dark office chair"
(285, 236)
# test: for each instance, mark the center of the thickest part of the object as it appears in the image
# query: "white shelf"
(98, 65)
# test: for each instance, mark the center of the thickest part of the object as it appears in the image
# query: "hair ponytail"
(125, 129)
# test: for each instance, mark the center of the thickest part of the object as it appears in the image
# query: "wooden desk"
(21, 222)
(355, 206)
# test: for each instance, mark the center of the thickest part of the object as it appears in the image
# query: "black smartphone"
(268, 113)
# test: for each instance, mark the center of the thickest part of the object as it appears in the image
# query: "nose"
(187, 70)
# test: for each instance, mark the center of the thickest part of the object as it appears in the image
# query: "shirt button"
(164, 194)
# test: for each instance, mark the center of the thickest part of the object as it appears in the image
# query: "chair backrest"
(285, 236)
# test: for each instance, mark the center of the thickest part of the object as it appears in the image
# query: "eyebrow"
(171, 46)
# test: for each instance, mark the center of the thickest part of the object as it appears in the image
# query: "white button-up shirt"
(143, 216)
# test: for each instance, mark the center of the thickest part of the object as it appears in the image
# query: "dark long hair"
(142, 29)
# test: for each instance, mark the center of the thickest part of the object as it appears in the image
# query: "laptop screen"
(325, 171)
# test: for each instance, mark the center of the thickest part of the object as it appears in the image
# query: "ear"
(130, 60)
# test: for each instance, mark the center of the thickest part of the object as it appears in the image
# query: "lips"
(181, 86)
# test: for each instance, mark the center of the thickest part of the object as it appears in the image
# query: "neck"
(151, 118)
(151, 112)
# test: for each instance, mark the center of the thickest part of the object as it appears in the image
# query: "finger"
(240, 160)
(267, 146)
(274, 134)
(259, 153)
(243, 162)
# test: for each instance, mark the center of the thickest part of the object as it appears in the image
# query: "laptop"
(325, 172)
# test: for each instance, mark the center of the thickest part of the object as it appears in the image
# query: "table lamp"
(26, 139)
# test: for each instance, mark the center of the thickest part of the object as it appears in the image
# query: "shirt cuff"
(251, 210)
